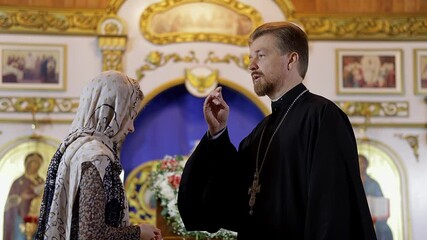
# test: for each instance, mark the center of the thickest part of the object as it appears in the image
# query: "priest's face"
(267, 66)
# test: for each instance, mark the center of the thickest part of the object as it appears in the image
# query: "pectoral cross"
(253, 190)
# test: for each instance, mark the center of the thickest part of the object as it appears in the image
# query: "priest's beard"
(263, 87)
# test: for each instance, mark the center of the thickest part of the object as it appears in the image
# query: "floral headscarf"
(101, 123)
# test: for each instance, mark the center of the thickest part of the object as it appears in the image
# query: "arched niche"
(171, 122)
(12, 156)
(387, 168)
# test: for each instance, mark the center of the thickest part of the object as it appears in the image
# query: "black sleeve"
(205, 197)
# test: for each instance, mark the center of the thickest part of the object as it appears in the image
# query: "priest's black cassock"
(310, 181)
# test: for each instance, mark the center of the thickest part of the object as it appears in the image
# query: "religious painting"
(384, 181)
(32, 66)
(201, 17)
(23, 170)
(369, 71)
(420, 63)
(212, 21)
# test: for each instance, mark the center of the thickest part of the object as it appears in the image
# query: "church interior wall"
(84, 60)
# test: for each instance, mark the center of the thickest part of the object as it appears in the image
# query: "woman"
(23, 197)
(84, 197)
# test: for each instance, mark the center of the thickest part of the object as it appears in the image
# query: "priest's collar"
(286, 99)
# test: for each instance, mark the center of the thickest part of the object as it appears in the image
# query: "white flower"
(163, 190)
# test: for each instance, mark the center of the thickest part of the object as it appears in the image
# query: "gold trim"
(357, 27)
(418, 52)
(375, 109)
(242, 61)
(233, 5)
(41, 104)
(156, 59)
(136, 185)
(41, 121)
(413, 142)
(56, 21)
(112, 48)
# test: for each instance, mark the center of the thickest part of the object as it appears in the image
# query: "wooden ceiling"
(63, 4)
(301, 6)
(361, 6)
(322, 19)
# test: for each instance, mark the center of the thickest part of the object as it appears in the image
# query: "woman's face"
(34, 164)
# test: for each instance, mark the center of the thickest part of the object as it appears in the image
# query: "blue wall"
(173, 121)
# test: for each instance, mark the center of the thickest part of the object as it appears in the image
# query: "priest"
(296, 175)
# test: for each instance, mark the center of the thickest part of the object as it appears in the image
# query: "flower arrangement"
(164, 181)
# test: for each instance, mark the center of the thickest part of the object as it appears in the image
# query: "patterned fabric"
(90, 208)
(107, 108)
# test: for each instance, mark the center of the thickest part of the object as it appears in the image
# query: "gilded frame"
(33, 66)
(420, 65)
(369, 71)
(200, 34)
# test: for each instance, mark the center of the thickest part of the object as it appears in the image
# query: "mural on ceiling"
(214, 21)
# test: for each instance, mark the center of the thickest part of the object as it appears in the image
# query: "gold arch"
(136, 187)
(136, 183)
(388, 169)
(12, 155)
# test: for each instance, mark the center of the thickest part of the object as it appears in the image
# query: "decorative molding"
(200, 81)
(43, 21)
(374, 109)
(357, 27)
(156, 59)
(136, 186)
(413, 142)
(55, 21)
(112, 39)
(112, 48)
(38, 105)
(194, 35)
(369, 27)
(242, 61)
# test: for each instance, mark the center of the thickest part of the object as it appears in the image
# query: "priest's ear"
(293, 59)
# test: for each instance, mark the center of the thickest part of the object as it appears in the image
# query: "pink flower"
(174, 181)
(170, 164)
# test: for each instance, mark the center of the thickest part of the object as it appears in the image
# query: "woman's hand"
(149, 232)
